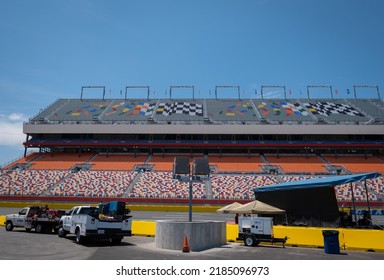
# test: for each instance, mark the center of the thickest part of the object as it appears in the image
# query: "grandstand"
(125, 148)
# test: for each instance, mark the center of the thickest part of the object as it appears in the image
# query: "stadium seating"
(29, 182)
(216, 110)
(236, 163)
(358, 164)
(222, 110)
(293, 178)
(298, 164)
(74, 110)
(157, 185)
(369, 107)
(162, 185)
(59, 161)
(116, 162)
(162, 163)
(22, 160)
(283, 111)
(238, 187)
(344, 193)
(95, 184)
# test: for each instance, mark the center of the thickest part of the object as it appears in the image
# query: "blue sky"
(50, 48)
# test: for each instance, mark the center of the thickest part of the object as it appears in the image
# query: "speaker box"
(181, 165)
(201, 167)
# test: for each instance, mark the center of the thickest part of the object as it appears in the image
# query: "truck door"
(68, 219)
(21, 218)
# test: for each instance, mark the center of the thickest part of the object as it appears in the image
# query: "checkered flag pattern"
(329, 108)
(186, 108)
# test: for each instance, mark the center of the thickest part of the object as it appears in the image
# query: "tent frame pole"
(368, 204)
(353, 204)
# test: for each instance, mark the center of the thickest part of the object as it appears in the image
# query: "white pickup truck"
(88, 221)
(39, 218)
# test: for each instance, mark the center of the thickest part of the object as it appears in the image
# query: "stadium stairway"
(324, 160)
(92, 158)
(148, 160)
(208, 189)
(50, 190)
(131, 185)
(264, 160)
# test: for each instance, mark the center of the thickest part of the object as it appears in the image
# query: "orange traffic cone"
(185, 246)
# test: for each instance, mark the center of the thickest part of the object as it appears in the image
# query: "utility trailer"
(253, 230)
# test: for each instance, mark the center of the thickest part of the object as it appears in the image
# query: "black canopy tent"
(310, 202)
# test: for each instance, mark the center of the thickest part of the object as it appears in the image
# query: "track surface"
(21, 245)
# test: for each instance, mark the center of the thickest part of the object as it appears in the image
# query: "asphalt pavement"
(21, 245)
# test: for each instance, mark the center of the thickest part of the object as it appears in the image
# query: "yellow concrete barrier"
(147, 228)
(363, 239)
(232, 232)
(300, 236)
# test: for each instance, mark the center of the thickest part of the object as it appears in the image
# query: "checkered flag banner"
(186, 108)
(329, 108)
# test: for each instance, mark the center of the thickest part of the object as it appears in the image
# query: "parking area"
(21, 245)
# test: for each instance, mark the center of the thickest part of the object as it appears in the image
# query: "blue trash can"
(331, 242)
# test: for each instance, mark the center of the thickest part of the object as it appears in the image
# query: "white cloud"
(16, 117)
(11, 130)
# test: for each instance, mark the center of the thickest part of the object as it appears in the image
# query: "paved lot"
(22, 245)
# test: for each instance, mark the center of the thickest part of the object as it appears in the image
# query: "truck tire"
(79, 238)
(8, 226)
(249, 241)
(61, 232)
(39, 228)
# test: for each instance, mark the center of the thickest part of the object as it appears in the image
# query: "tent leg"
(368, 205)
(353, 204)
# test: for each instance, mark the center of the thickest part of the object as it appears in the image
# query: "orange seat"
(298, 164)
(59, 161)
(236, 163)
(358, 164)
(116, 162)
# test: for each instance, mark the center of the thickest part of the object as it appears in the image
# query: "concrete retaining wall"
(201, 235)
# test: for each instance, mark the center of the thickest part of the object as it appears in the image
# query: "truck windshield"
(23, 212)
